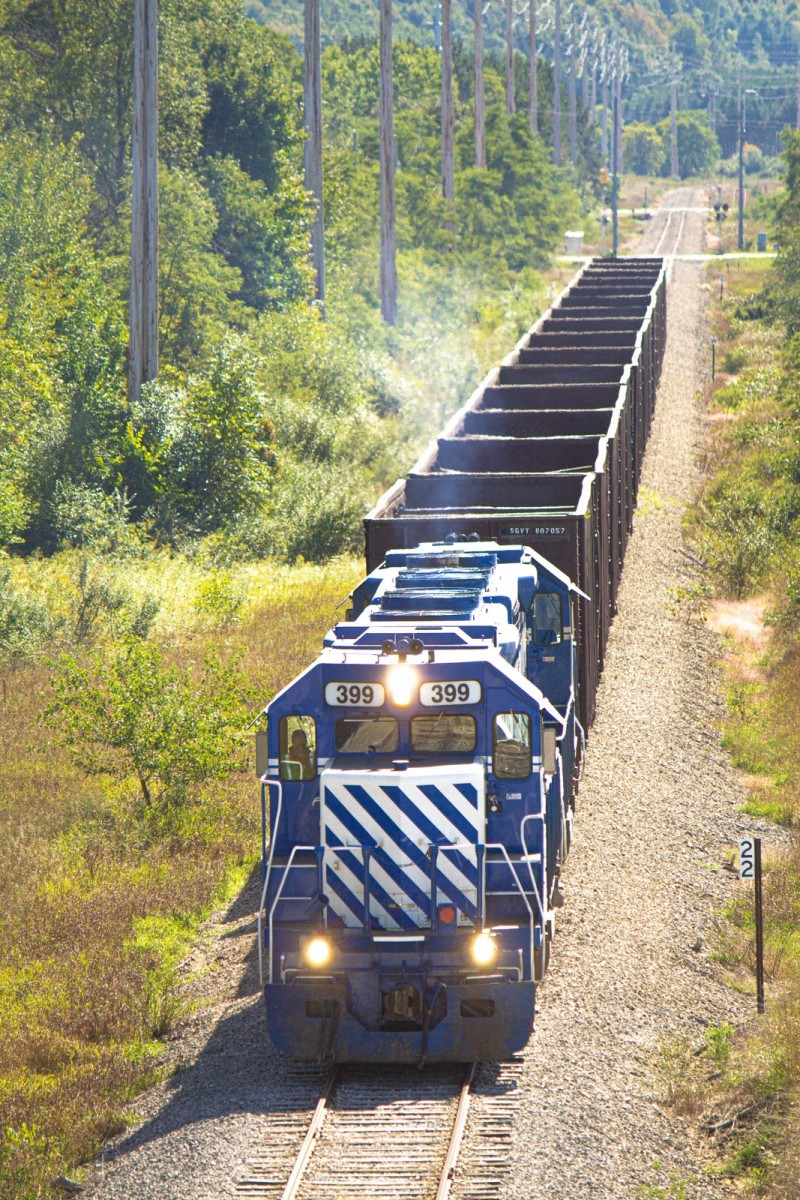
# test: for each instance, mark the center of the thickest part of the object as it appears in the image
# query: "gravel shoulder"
(657, 815)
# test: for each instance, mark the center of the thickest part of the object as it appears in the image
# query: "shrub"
(85, 516)
(130, 717)
(25, 622)
(218, 599)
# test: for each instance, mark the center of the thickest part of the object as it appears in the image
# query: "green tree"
(784, 291)
(262, 234)
(196, 285)
(643, 150)
(131, 717)
(214, 441)
(698, 147)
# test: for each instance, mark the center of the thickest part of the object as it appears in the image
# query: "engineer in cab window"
(299, 756)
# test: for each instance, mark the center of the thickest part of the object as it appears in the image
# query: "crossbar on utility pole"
(143, 347)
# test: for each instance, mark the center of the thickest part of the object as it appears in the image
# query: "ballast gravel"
(658, 815)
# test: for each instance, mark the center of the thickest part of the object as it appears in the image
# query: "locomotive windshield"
(365, 735)
(443, 733)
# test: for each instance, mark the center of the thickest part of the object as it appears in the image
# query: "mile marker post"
(713, 357)
(750, 868)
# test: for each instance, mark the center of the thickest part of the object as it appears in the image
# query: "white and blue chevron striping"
(398, 817)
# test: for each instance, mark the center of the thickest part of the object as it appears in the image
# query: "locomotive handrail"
(266, 782)
(287, 869)
(455, 846)
(498, 845)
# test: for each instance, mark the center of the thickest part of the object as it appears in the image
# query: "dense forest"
(259, 402)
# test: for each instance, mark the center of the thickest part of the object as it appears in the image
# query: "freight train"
(419, 778)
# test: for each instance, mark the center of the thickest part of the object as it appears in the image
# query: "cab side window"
(546, 626)
(511, 746)
(297, 737)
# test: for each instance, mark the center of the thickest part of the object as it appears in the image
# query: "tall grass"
(747, 528)
(98, 906)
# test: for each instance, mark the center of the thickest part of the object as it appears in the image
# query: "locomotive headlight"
(317, 952)
(484, 949)
(401, 683)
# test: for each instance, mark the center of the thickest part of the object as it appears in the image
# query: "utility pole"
(740, 240)
(583, 64)
(615, 145)
(621, 75)
(480, 99)
(143, 347)
(448, 164)
(312, 152)
(557, 87)
(387, 168)
(797, 121)
(673, 115)
(533, 99)
(605, 113)
(593, 94)
(511, 102)
(573, 99)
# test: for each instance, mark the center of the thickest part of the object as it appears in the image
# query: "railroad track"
(671, 213)
(390, 1135)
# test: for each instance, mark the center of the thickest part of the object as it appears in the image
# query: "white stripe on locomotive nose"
(425, 806)
(468, 809)
(405, 821)
(378, 835)
(355, 887)
(446, 864)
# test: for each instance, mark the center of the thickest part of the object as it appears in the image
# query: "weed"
(718, 1042)
(218, 599)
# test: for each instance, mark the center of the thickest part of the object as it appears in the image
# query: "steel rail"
(456, 1137)
(310, 1140)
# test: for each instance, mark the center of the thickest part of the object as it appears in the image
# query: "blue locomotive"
(419, 783)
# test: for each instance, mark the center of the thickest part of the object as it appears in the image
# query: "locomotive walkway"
(579, 1116)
